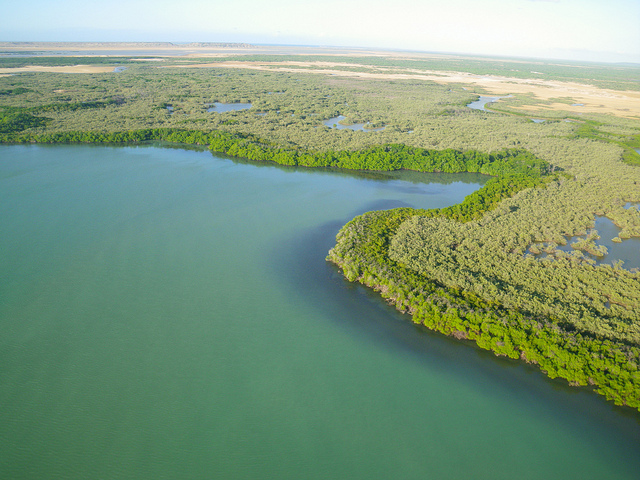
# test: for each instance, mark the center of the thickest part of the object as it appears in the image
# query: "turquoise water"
(167, 314)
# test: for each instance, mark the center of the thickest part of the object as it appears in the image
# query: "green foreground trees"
(559, 348)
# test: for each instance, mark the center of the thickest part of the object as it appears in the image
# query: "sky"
(586, 30)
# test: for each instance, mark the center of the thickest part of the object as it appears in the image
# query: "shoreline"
(361, 254)
(502, 331)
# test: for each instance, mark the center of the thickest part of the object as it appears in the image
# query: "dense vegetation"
(463, 270)
(12, 62)
(579, 356)
(514, 170)
(18, 119)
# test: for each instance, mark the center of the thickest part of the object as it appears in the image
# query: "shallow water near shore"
(625, 253)
(170, 314)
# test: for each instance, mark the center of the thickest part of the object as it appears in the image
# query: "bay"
(170, 314)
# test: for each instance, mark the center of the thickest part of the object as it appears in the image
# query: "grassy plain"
(584, 98)
(472, 278)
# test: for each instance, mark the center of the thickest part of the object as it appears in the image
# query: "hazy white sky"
(600, 30)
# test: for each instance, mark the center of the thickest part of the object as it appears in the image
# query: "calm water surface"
(168, 314)
(482, 102)
(334, 122)
(218, 107)
(627, 251)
